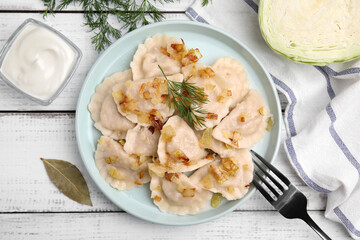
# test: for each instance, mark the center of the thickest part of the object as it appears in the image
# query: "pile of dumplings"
(144, 140)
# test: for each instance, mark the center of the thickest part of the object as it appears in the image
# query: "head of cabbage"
(315, 32)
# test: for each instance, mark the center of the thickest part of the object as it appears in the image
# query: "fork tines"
(266, 172)
(289, 201)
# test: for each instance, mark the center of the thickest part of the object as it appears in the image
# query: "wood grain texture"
(25, 186)
(38, 5)
(236, 225)
(31, 207)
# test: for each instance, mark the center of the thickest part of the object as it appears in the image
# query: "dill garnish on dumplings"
(193, 125)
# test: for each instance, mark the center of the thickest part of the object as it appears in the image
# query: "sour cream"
(38, 61)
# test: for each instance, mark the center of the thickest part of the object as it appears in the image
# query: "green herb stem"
(130, 13)
(187, 99)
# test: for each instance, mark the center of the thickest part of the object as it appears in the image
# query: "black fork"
(287, 199)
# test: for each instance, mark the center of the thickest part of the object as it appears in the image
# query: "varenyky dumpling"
(234, 73)
(103, 110)
(169, 52)
(179, 149)
(152, 53)
(175, 193)
(231, 175)
(119, 169)
(215, 87)
(145, 101)
(142, 141)
(207, 141)
(246, 124)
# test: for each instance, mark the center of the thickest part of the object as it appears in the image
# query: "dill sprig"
(205, 2)
(187, 99)
(131, 14)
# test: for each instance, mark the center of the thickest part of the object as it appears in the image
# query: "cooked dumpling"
(231, 175)
(179, 149)
(152, 53)
(207, 141)
(112, 123)
(142, 141)
(246, 124)
(145, 101)
(103, 110)
(175, 193)
(234, 73)
(215, 87)
(220, 148)
(119, 169)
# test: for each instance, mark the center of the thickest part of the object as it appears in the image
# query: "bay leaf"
(68, 179)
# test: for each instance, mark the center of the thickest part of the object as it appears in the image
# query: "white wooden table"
(32, 208)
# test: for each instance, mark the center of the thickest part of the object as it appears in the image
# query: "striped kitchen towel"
(322, 118)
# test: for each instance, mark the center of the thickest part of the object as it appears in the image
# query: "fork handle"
(315, 227)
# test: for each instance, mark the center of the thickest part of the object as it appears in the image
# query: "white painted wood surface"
(247, 225)
(36, 5)
(32, 208)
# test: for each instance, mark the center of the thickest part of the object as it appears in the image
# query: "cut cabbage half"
(315, 32)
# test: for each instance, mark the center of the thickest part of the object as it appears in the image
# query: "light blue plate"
(213, 44)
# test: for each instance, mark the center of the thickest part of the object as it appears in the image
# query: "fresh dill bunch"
(187, 99)
(131, 14)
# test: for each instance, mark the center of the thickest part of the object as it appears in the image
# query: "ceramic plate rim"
(79, 115)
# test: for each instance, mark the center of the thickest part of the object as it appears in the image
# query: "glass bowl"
(9, 43)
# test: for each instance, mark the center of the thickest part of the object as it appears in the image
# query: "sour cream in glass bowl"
(38, 61)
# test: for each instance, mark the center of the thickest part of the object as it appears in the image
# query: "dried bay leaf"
(68, 179)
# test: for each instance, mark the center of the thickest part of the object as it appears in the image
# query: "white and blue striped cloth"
(323, 116)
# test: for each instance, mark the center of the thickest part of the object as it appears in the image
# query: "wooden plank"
(25, 186)
(38, 5)
(237, 225)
